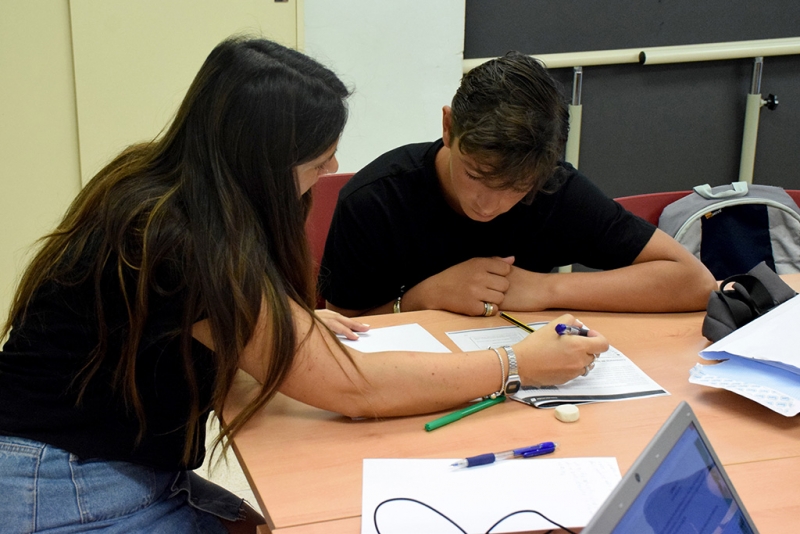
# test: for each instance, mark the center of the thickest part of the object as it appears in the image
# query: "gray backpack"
(732, 228)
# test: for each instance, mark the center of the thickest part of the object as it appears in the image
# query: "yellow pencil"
(517, 322)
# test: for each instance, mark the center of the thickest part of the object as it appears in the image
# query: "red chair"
(649, 206)
(325, 193)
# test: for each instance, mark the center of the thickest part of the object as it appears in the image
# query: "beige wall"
(134, 61)
(82, 79)
(39, 172)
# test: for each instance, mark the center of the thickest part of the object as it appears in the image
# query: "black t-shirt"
(43, 356)
(393, 227)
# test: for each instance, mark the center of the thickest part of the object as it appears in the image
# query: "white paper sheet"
(774, 337)
(615, 377)
(752, 379)
(567, 490)
(410, 337)
(762, 360)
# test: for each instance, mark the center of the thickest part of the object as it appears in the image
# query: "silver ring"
(596, 356)
(585, 371)
(488, 309)
(590, 366)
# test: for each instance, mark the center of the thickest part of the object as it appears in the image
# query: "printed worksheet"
(615, 377)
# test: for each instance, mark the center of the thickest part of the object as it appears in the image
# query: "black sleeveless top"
(40, 376)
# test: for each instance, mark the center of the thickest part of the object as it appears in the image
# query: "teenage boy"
(475, 222)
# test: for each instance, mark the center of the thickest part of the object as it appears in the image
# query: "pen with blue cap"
(525, 452)
(568, 330)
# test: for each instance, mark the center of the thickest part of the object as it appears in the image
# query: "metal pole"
(575, 116)
(574, 139)
(751, 115)
(665, 54)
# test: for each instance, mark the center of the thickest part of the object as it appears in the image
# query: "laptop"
(676, 486)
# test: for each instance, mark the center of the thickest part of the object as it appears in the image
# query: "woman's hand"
(544, 358)
(339, 324)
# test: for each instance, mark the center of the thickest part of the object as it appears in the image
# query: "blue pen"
(525, 452)
(567, 330)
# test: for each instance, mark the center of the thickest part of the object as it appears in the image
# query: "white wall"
(402, 60)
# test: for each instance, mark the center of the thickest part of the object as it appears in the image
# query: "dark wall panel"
(660, 127)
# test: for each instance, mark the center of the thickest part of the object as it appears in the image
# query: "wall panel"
(666, 127)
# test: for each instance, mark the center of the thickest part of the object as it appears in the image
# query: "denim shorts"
(43, 488)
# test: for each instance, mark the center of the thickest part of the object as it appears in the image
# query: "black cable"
(375, 513)
(562, 527)
(429, 507)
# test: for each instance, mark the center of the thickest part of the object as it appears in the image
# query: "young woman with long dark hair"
(181, 261)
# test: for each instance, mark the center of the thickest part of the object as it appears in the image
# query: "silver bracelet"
(502, 390)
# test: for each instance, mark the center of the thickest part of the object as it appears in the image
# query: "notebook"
(676, 485)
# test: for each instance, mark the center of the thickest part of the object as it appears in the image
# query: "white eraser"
(568, 413)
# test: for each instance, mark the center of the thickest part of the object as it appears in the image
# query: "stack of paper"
(762, 360)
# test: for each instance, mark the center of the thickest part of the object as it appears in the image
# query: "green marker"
(459, 414)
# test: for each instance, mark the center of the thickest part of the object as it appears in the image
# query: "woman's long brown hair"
(214, 199)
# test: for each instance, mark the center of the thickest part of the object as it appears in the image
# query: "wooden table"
(304, 464)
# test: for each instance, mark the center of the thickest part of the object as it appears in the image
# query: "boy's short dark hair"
(509, 114)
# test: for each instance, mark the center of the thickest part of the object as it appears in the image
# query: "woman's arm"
(335, 378)
(330, 376)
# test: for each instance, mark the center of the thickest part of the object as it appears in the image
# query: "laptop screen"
(686, 494)
(676, 486)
